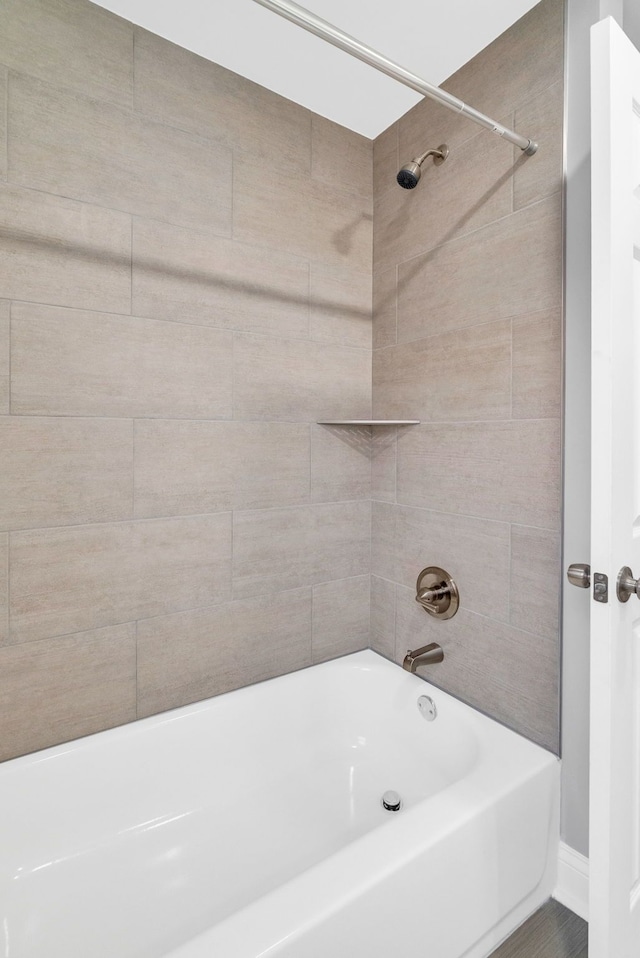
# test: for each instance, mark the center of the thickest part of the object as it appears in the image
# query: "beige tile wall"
(175, 316)
(467, 306)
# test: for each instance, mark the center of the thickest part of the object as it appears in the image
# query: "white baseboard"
(572, 889)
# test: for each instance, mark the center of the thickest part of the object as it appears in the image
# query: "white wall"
(575, 686)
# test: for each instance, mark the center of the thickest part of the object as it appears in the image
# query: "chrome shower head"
(410, 174)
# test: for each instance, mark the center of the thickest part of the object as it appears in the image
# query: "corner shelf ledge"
(368, 422)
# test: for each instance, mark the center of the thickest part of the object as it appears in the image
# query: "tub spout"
(427, 655)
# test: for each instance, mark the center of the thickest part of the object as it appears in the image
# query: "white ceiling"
(431, 38)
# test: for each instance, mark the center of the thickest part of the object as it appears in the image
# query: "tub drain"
(391, 801)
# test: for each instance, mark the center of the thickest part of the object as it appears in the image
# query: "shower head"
(410, 173)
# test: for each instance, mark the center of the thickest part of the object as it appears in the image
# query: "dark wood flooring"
(552, 932)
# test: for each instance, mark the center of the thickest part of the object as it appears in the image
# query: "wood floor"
(553, 932)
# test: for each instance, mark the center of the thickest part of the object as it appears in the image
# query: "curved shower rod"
(326, 31)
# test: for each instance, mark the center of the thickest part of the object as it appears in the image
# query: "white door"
(614, 829)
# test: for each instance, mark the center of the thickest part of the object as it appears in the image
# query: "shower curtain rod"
(326, 31)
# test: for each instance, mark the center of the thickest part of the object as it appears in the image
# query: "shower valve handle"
(437, 593)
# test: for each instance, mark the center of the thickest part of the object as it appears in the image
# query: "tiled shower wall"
(185, 288)
(467, 338)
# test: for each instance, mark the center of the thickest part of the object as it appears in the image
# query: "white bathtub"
(251, 825)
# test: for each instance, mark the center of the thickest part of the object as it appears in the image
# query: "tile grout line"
(193, 516)
(133, 469)
(8, 584)
(232, 330)
(6, 125)
(131, 268)
(509, 583)
(311, 618)
(135, 633)
(426, 423)
(10, 344)
(470, 326)
(133, 68)
(515, 158)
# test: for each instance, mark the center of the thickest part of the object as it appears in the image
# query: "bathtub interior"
(134, 841)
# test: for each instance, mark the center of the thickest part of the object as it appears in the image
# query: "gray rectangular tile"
(272, 635)
(535, 580)
(509, 268)
(385, 307)
(80, 577)
(181, 563)
(73, 363)
(340, 463)
(540, 175)
(460, 375)
(71, 579)
(182, 467)
(340, 306)
(196, 277)
(297, 380)
(279, 549)
(501, 470)
(383, 617)
(71, 43)
(5, 326)
(4, 588)
(341, 617)
(505, 673)
(64, 471)
(58, 251)
(115, 158)
(322, 223)
(179, 657)
(408, 222)
(190, 656)
(339, 155)
(197, 467)
(192, 93)
(271, 464)
(537, 365)
(59, 689)
(406, 539)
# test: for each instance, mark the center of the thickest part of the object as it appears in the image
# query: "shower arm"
(326, 31)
